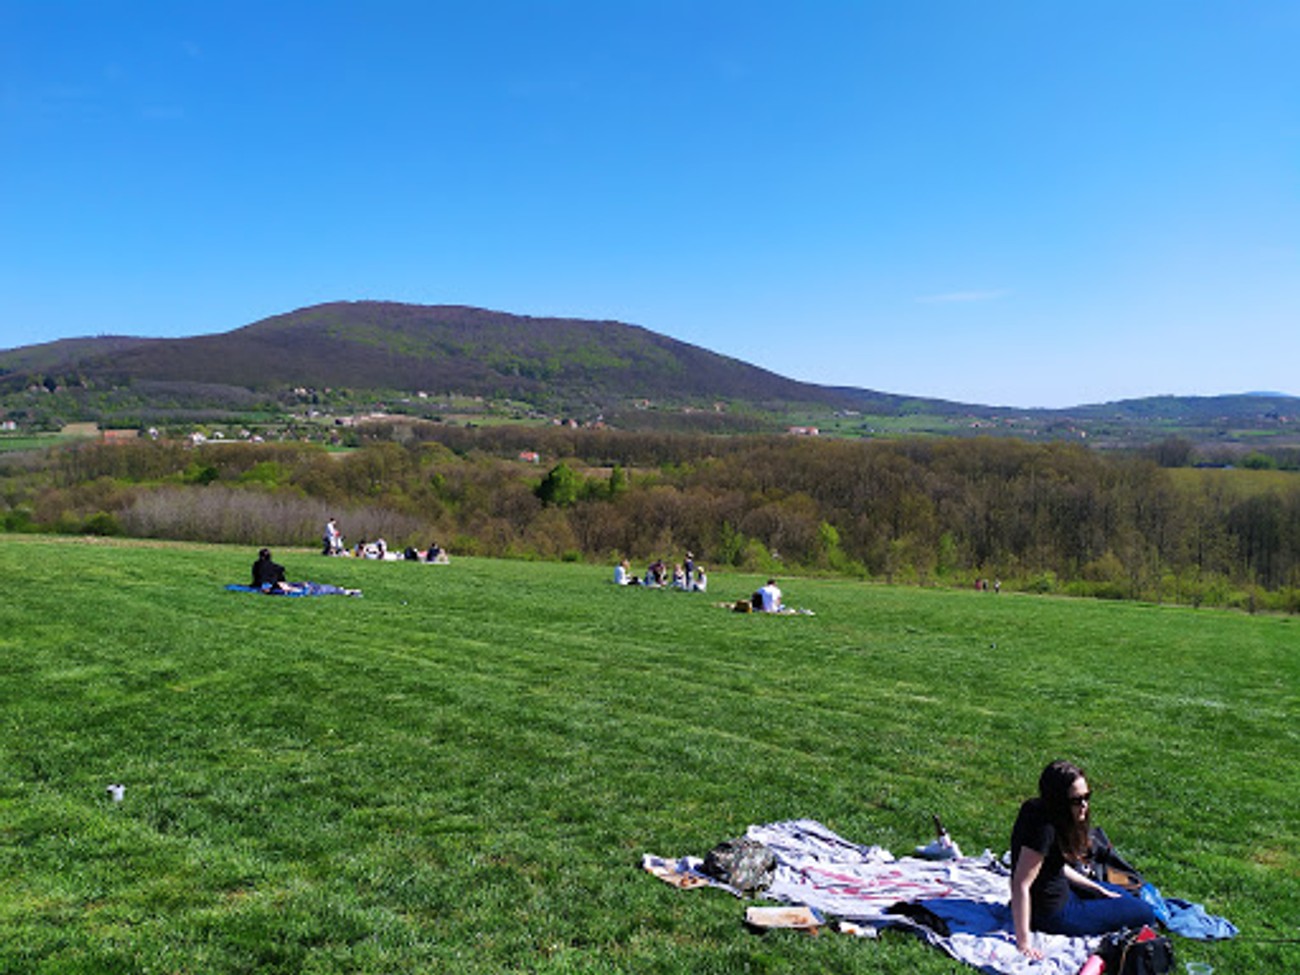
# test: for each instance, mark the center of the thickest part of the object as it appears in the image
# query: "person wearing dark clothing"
(1054, 858)
(266, 573)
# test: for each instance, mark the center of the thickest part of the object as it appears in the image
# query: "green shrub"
(101, 523)
(19, 520)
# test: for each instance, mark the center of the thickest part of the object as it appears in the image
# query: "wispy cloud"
(962, 297)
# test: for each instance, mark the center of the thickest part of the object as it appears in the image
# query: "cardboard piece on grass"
(800, 918)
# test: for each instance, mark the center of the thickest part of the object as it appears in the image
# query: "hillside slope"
(383, 345)
(561, 365)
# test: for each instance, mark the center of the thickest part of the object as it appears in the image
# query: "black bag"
(742, 863)
(1106, 865)
(1136, 951)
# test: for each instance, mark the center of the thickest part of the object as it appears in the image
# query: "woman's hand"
(1077, 879)
(1029, 951)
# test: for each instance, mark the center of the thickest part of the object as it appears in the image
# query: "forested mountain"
(560, 366)
(562, 363)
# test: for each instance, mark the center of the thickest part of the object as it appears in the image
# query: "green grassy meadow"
(460, 771)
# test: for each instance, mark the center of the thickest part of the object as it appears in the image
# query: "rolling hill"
(379, 345)
(571, 366)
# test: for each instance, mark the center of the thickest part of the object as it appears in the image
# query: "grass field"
(460, 771)
(13, 442)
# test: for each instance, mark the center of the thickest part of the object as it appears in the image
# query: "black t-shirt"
(266, 572)
(1050, 889)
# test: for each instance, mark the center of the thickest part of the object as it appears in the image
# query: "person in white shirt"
(621, 577)
(701, 581)
(771, 597)
(332, 538)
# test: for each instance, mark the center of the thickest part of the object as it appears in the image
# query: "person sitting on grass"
(267, 573)
(268, 576)
(1053, 846)
(768, 598)
(701, 581)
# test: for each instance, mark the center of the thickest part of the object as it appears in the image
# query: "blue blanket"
(298, 589)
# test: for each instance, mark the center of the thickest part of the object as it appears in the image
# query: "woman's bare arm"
(1028, 864)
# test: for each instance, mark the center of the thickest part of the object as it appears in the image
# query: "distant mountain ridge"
(386, 345)
(560, 363)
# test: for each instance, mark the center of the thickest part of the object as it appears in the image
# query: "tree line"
(1041, 517)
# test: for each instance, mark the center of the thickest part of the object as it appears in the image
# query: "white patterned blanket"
(857, 884)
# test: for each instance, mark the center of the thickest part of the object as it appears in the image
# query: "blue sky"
(1011, 203)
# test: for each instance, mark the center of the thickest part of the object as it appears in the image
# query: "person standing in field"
(1053, 844)
(332, 539)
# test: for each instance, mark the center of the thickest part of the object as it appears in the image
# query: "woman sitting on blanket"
(266, 573)
(1052, 848)
(268, 576)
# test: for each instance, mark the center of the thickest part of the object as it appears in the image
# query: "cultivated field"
(460, 771)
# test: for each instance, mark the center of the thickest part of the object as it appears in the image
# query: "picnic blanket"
(859, 884)
(299, 589)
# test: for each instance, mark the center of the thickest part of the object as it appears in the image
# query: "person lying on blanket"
(1051, 848)
(268, 576)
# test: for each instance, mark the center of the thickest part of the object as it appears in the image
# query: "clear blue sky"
(1028, 203)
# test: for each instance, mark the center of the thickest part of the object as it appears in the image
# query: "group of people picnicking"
(269, 576)
(686, 576)
(689, 576)
(332, 544)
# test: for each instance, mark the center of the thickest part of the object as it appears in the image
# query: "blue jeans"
(1097, 915)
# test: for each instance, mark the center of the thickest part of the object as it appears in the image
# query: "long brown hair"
(1072, 836)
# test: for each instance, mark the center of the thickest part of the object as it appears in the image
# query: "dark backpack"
(742, 863)
(1108, 866)
(1136, 951)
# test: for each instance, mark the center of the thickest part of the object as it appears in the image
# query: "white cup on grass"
(1200, 968)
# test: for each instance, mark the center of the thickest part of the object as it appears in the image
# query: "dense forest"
(1037, 517)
